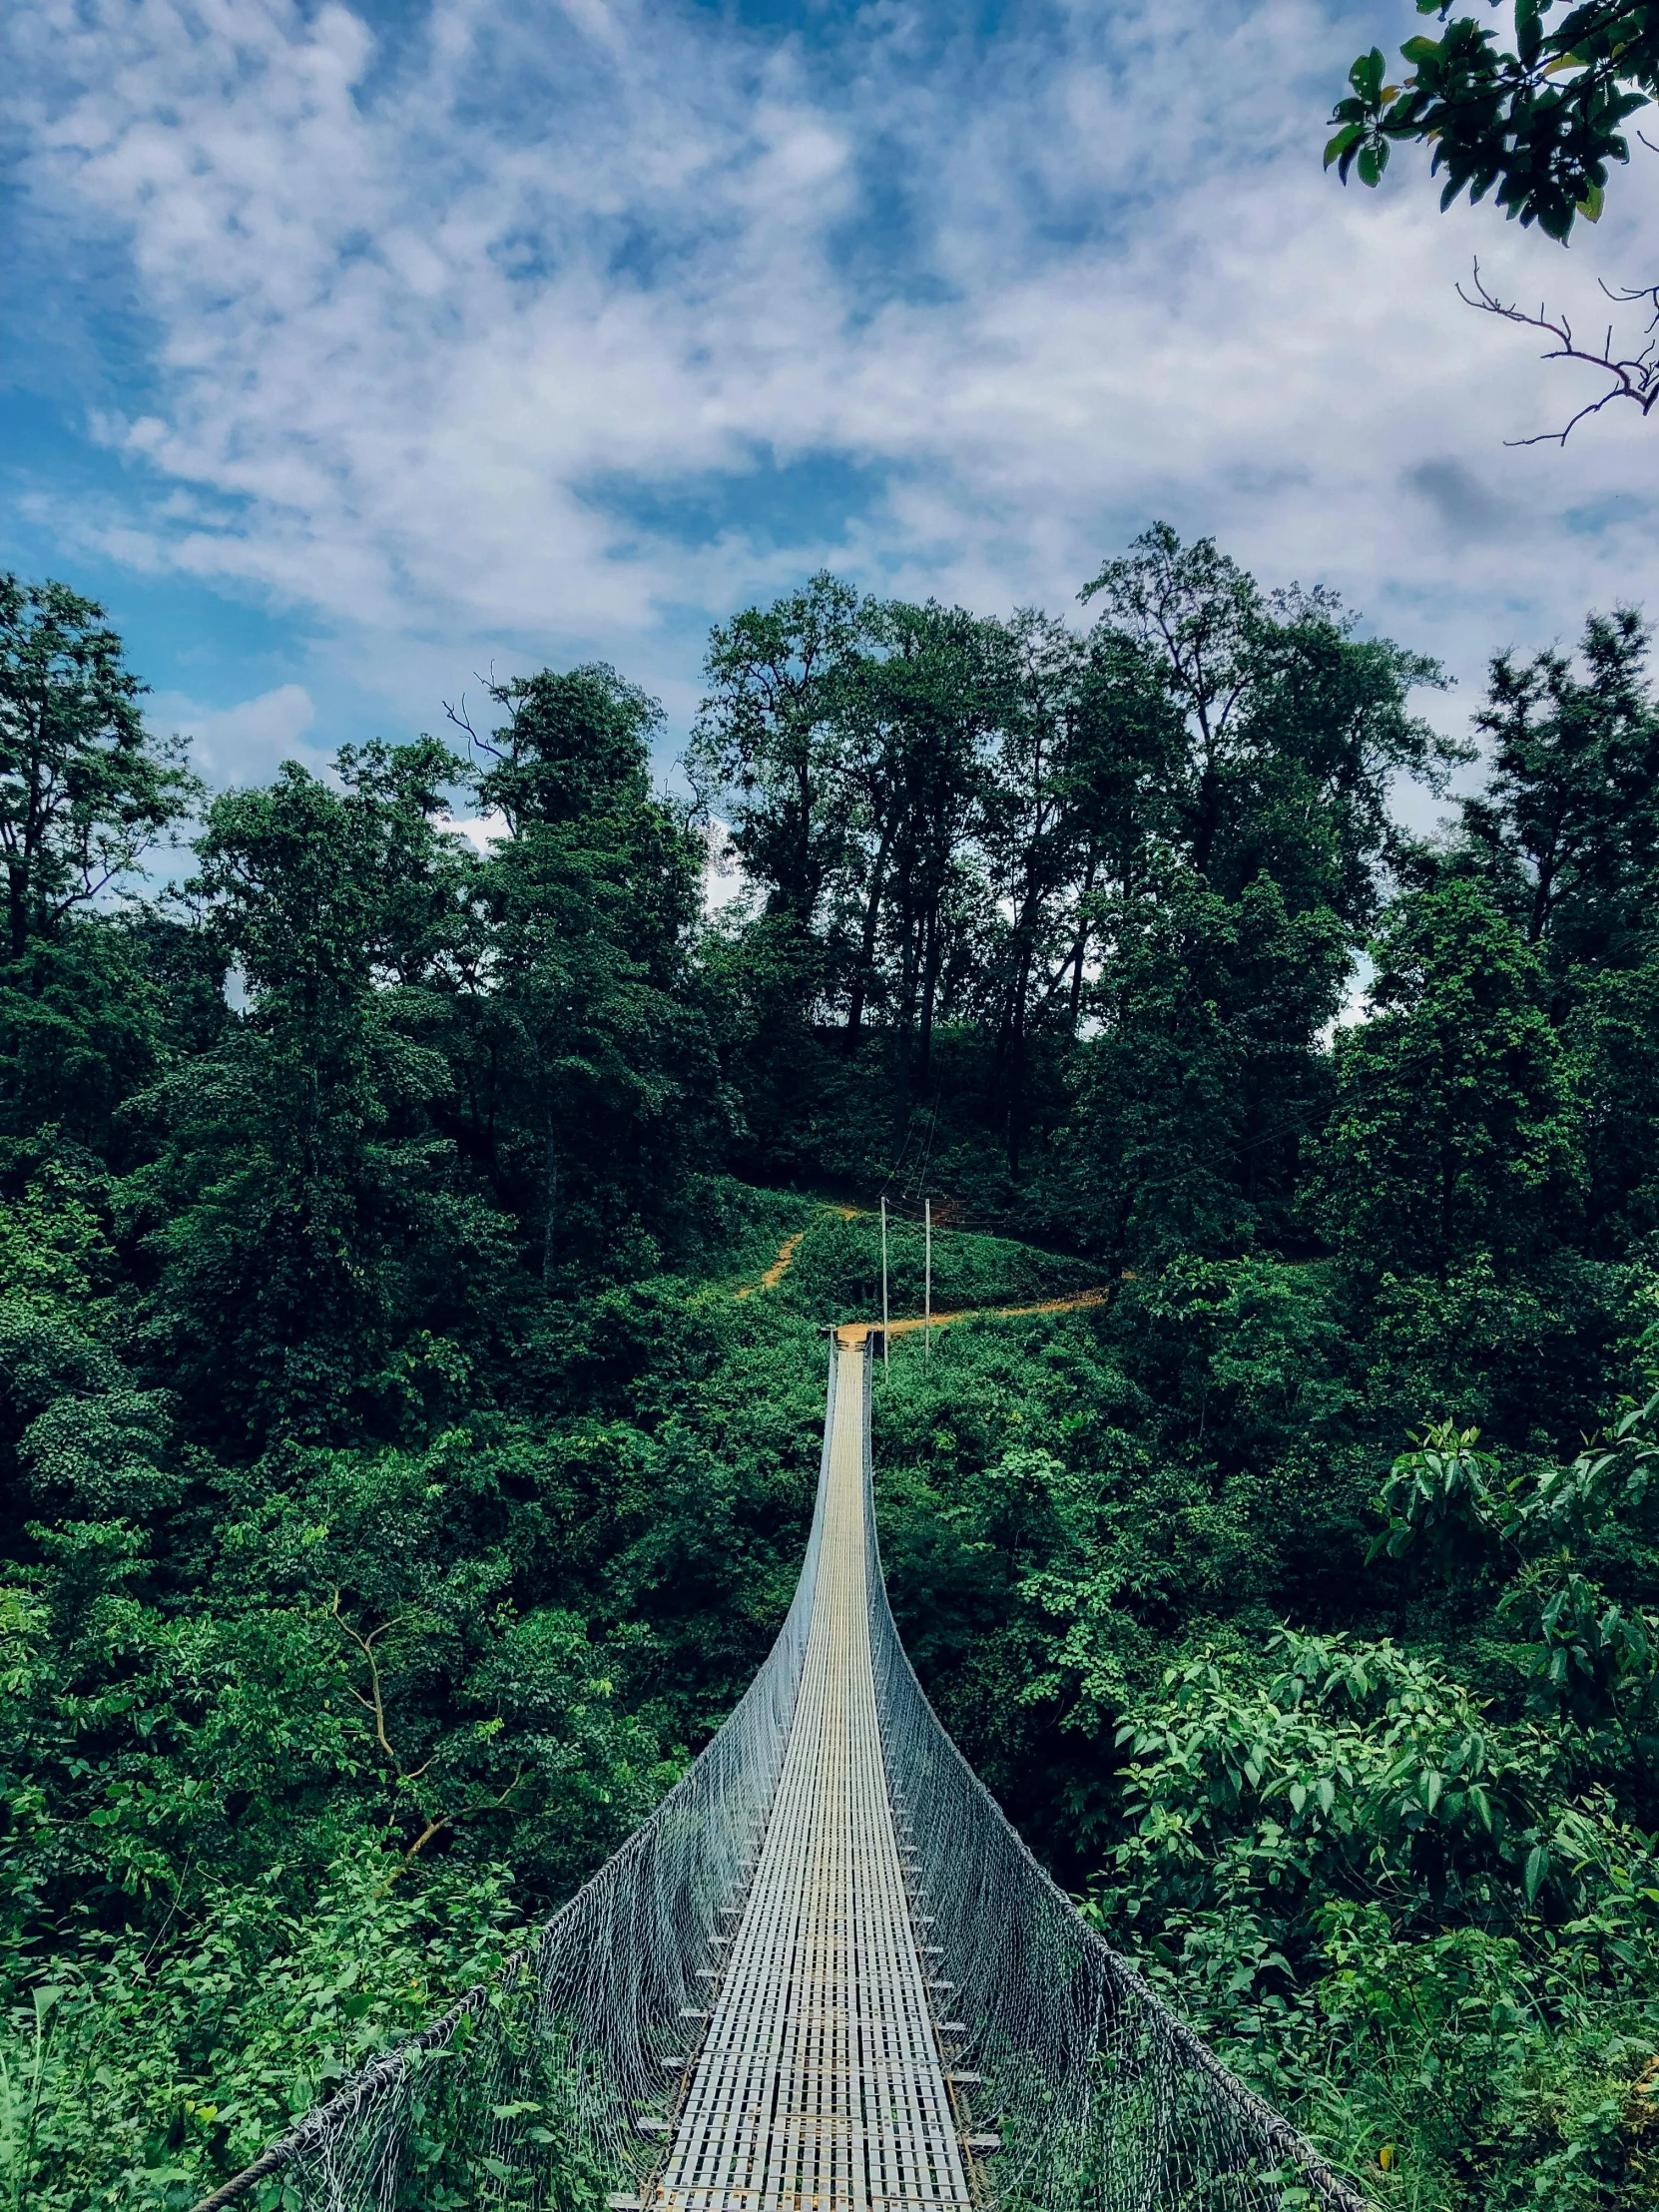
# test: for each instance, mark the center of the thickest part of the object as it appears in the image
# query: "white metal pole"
(927, 1275)
(885, 1360)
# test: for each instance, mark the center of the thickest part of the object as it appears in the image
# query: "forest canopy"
(397, 1492)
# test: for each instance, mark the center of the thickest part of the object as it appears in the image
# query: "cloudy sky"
(350, 351)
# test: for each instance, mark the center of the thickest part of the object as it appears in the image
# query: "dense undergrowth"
(395, 1491)
(1326, 1797)
(1354, 1814)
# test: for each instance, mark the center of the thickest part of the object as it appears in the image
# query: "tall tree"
(1237, 750)
(1330, 734)
(1201, 1079)
(1035, 838)
(86, 789)
(948, 679)
(310, 1215)
(1200, 615)
(1452, 1132)
(767, 742)
(1125, 735)
(590, 1069)
(1569, 819)
(1294, 727)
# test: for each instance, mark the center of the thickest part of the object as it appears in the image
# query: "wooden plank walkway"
(819, 2082)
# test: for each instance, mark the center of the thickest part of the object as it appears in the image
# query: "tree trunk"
(550, 1223)
(1206, 824)
(866, 940)
(1080, 950)
(929, 987)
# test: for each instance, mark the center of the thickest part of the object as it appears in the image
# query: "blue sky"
(353, 351)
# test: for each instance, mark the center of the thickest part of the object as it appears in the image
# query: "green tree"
(590, 1079)
(82, 1029)
(85, 788)
(1452, 1131)
(1294, 727)
(1566, 836)
(769, 739)
(1569, 817)
(306, 1211)
(1126, 734)
(1193, 1096)
(86, 791)
(1199, 615)
(847, 741)
(950, 679)
(1609, 1033)
(1041, 816)
(918, 711)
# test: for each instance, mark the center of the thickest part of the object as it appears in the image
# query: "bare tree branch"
(374, 1702)
(464, 721)
(461, 719)
(439, 1821)
(1635, 376)
(401, 1777)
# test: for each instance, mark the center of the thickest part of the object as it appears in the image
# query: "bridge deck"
(819, 2082)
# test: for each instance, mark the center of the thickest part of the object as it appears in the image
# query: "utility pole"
(927, 1279)
(885, 1360)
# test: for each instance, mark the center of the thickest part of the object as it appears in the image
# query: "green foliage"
(1381, 1901)
(141, 2072)
(589, 1086)
(961, 828)
(1440, 1492)
(836, 1272)
(1292, 727)
(85, 788)
(398, 1490)
(1540, 121)
(1451, 1131)
(1192, 1095)
(1566, 824)
(305, 1213)
(1398, 1872)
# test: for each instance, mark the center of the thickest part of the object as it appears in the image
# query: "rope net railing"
(1097, 2096)
(546, 2087)
(555, 2088)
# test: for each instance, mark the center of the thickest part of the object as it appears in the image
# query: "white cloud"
(723, 878)
(414, 306)
(482, 832)
(246, 742)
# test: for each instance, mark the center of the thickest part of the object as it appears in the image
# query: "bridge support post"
(883, 1283)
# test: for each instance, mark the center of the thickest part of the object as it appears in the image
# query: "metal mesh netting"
(555, 2086)
(1100, 2097)
(539, 2091)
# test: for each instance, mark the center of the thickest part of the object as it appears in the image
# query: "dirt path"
(787, 1252)
(854, 1331)
(779, 1268)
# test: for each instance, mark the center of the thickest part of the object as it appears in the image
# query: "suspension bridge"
(825, 1975)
